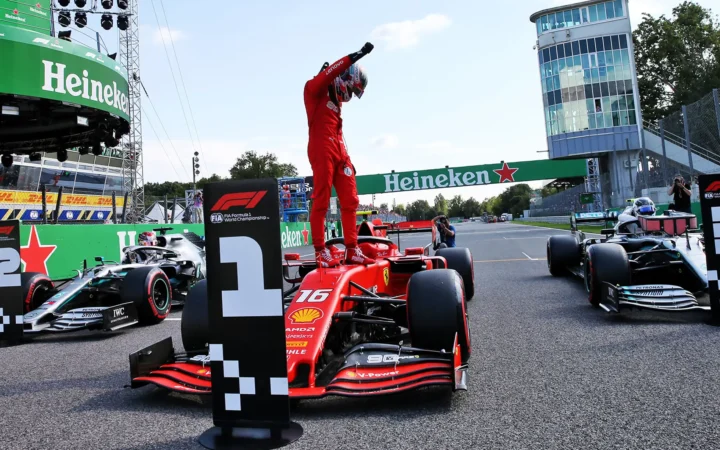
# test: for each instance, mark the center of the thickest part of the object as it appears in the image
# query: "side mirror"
(607, 231)
(292, 256)
(99, 259)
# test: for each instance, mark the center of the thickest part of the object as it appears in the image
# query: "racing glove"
(366, 49)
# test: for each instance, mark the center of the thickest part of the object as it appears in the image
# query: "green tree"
(383, 206)
(677, 58)
(455, 206)
(419, 210)
(440, 206)
(471, 208)
(252, 165)
(400, 209)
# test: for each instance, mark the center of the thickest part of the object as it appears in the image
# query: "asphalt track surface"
(548, 371)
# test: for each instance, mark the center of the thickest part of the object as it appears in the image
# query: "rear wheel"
(460, 259)
(149, 289)
(37, 288)
(436, 311)
(195, 325)
(562, 251)
(605, 263)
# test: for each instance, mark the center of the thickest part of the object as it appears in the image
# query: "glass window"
(54, 178)
(88, 183)
(585, 61)
(544, 23)
(596, 90)
(601, 59)
(622, 104)
(624, 118)
(553, 53)
(546, 55)
(608, 58)
(610, 73)
(587, 79)
(9, 176)
(599, 119)
(583, 46)
(569, 63)
(51, 163)
(630, 102)
(625, 57)
(615, 42)
(618, 8)
(609, 10)
(591, 121)
(595, 76)
(28, 178)
(632, 118)
(597, 107)
(555, 70)
(577, 61)
(576, 47)
(100, 169)
(589, 105)
(548, 69)
(601, 12)
(559, 20)
(113, 184)
(540, 60)
(617, 57)
(593, 60)
(584, 14)
(607, 106)
(568, 18)
(607, 43)
(556, 82)
(604, 88)
(613, 87)
(561, 66)
(616, 119)
(576, 16)
(561, 51)
(614, 103)
(548, 84)
(627, 73)
(588, 91)
(568, 49)
(538, 24)
(593, 13)
(620, 87)
(602, 71)
(591, 45)
(623, 41)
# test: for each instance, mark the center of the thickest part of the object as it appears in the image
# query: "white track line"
(528, 257)
(173, 318)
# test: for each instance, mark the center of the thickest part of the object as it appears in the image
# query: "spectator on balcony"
(681, 192)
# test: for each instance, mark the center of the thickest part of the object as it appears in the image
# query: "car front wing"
(663, 297)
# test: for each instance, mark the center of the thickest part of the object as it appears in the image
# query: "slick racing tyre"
(37, 288)
(436, 311)
(195, 325)
(605, 263)
(562, 251)
(149, 289)
(460, 259)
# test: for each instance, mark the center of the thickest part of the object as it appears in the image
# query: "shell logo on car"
(306, 315)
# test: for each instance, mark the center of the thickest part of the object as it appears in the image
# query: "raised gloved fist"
(367, 48)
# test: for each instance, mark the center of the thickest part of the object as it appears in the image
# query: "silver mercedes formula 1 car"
(141, 289)
(644, 261)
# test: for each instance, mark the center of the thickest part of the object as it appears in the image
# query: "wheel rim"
(160, 294)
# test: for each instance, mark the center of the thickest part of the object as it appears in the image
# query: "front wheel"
(149, 289)
(37, 288)
(195, 324)
(605, 263)
(436, 311)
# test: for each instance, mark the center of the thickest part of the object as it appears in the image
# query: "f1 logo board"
(11, 301)
(246, 315)
(710, 207)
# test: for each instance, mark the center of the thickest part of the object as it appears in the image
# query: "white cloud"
(167, 34)
(398, 35)
(386, 141)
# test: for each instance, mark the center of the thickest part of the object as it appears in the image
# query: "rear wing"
(607, 217)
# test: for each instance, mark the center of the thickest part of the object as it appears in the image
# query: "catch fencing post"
(11, 298)
(686, 124)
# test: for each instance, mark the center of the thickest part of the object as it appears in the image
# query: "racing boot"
(326, 259)
(355, 256)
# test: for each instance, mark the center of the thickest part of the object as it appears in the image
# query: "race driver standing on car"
(331, 165)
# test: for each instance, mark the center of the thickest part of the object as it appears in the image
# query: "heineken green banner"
(57, 250)
(503, 172)
(29, 14)
(37, 65)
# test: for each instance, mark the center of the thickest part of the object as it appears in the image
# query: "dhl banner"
(35, 198)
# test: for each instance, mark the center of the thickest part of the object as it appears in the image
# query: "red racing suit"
(328, 156)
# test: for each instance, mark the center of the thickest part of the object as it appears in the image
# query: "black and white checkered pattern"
(6, 320)
(246, 385)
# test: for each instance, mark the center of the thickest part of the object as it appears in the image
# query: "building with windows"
(589, 86)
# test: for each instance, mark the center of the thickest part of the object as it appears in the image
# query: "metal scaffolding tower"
(131, 144)
(592, 183)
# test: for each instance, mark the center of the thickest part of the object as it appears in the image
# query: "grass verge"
(563, 226)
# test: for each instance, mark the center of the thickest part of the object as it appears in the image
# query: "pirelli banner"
(710, 206)
(246, 315)
(11, 301)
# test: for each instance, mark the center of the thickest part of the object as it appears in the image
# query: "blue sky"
(450, 83)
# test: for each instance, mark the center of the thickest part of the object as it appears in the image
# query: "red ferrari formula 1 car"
(395, 325)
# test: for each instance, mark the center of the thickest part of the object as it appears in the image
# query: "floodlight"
(64, 19)
(107, 4)
(64, 35)
(122, 4)
(106, 21)
(123, 23)
(80, 19)
(64, 3)
(80, 3)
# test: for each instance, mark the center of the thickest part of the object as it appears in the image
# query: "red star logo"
(38, 5)
(16, 12)
(35, 255)
(305, 233)
(506, 173)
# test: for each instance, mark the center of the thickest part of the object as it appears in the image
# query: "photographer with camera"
(680, 190)
(447, 231)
